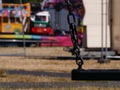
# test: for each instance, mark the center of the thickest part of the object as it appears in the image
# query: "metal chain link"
(74, 35)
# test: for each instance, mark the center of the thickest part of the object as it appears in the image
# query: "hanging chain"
(74, 35)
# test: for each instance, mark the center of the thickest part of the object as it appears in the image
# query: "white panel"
(93, 21)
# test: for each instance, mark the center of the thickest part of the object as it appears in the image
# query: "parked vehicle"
(40, 23)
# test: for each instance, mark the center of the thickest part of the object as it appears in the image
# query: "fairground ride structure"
(15, 25)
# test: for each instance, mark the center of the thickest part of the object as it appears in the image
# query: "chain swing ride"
(76, 9)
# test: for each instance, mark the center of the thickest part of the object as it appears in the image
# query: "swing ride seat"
(96, 74)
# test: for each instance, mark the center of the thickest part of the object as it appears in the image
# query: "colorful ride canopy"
(77, 6)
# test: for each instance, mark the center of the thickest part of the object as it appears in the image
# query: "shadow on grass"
(51, 57)
(59, 84)
(72, 84)
(39, 73)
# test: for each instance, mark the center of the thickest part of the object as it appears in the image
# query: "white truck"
(41, 23)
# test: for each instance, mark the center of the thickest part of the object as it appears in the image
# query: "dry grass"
(31, 64)
(33, 79)
(36, 51)
(21, 63)
(75, 88)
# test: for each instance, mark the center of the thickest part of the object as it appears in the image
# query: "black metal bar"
(96, 74)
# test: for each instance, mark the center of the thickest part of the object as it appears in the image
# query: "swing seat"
(96, 74)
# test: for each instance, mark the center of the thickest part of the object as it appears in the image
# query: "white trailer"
(96, 19)
(98, 35)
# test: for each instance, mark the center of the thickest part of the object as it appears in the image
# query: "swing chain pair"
(74, 35)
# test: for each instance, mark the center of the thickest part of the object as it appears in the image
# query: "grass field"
(44, 74)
